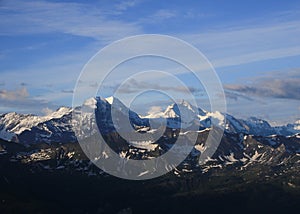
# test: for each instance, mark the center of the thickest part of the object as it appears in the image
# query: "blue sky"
(253, 45)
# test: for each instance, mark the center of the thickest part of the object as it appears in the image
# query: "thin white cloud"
(155, 109)
(158, 16)
(164, 14)
(124, 5)
(257, 56)
(133, 86)
(47, 111)
(31, 17)
(274, 110)
(196, 14)
(246, 44)
(21, 101)
(16, 95)
(273, 86)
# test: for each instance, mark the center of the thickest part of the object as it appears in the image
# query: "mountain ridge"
(17, 127)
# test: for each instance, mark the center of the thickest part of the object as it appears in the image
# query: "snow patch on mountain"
(110, 100)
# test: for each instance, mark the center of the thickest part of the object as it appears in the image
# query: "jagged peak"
(256, 119)
(186, 104)
(114, 101)
(10, 114)
(61, 111)
(63, 108)
(110, 99)
(173, 110)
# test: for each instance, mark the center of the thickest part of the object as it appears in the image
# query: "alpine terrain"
(256, 167)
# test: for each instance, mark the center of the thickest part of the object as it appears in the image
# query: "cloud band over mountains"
(284, 85)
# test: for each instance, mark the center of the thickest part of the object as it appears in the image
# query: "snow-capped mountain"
(59, 126)
(185, 115)
(252, 125)
(111, 115)
(27, 128)
(256, 126)
(289, 129)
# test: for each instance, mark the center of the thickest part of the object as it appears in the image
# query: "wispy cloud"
(273, 96)
(64, 17)
(67, 91)
(158, 16)
(271, 86)
(46, 111)
(155, 109)
(258, 56)
(275, 110)
(236, 96)
(164, 14)
(21, 101)
(19, 94)
(124, 5)
(195, 13)
(247, 43)
(133, 86)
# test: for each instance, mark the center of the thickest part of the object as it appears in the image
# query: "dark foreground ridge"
(248, 175)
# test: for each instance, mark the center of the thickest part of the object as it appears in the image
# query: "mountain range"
(58, 127)
(243, 143)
